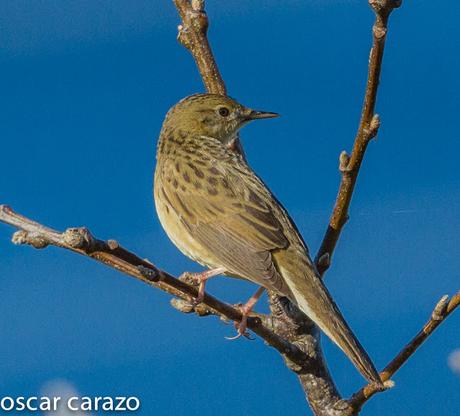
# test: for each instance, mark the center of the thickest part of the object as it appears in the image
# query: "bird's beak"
(255, 115)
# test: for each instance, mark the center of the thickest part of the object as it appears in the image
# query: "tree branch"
(441, 311)
(368, 127)
(193, 35)
(110, 253)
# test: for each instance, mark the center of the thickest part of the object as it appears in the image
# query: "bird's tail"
(314, 300)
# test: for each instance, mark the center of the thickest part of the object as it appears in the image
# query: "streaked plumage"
(219, 213)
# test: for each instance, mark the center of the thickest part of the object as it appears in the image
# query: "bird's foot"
(242, 326)
(199, 279)
(246, 309)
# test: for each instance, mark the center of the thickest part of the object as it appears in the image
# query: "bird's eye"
(224, 111)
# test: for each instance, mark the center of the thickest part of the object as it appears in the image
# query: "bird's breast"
(176, 216)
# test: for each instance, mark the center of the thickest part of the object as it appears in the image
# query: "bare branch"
(110, 253)
(368, 128)
(193, 35)
(442, 310)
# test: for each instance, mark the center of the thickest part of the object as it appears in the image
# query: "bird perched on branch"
(218, 212)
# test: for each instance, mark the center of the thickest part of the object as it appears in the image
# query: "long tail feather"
(314, 300)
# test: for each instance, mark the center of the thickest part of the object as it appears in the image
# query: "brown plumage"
(219, 213)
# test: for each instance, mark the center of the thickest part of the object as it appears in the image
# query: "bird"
(219, 213)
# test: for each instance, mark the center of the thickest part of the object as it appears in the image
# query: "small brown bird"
(218, 212)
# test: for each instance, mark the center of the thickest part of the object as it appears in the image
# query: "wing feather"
(224, 213)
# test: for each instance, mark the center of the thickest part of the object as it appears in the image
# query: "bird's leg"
(200, 280)
(246, 309)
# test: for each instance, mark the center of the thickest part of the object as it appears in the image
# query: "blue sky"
(85, 86)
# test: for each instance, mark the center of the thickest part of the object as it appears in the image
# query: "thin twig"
(110, 253)
(193, 35)
(442, 310)
(368, 127)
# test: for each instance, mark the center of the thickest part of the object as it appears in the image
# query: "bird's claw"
(239, 334)
(196, 301)
(199, 279)
(241, 327)
(195, 279)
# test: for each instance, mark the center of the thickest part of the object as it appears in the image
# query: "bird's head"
(212, 115)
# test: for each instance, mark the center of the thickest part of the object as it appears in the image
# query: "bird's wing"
(226, 212)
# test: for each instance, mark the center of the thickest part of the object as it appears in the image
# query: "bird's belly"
(180, 235)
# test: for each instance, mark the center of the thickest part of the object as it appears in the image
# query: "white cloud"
(65, 390)
(454, 361)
